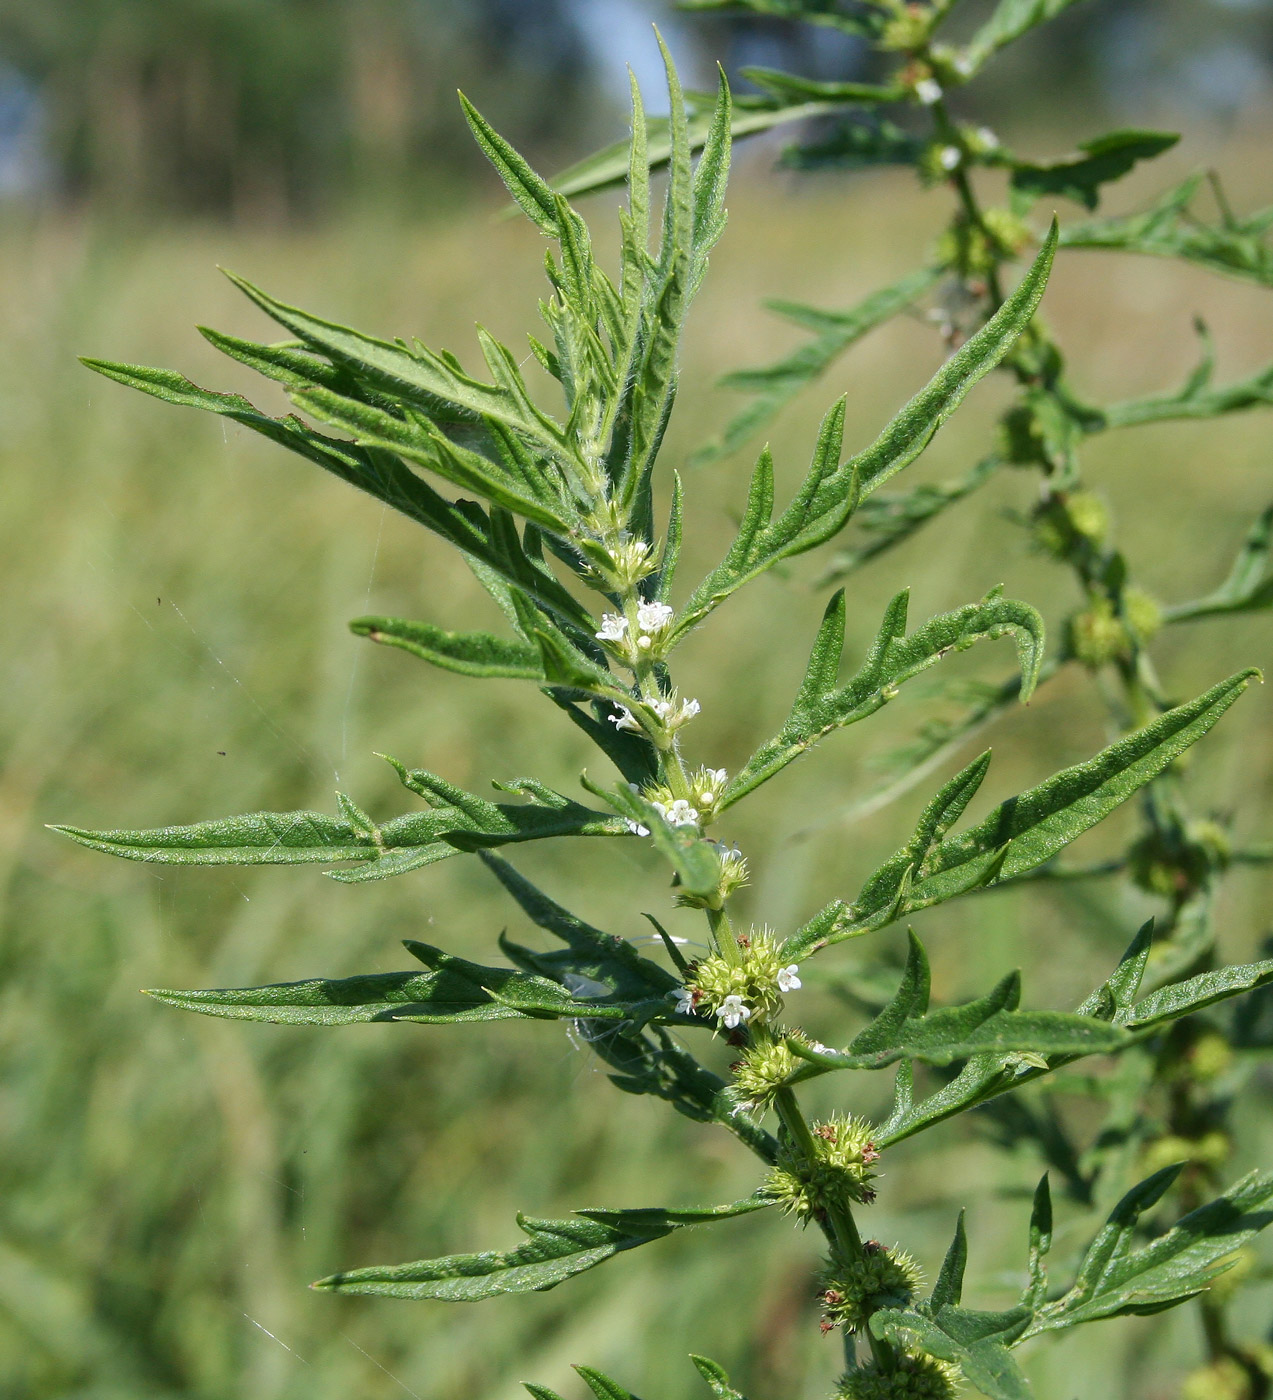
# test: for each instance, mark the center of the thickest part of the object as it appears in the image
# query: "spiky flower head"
(912, 1378)
(842, 1171)
(850, 1291)
(764, 1069)
(1097, 637)
(755, 980)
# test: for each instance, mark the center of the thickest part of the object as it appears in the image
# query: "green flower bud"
(1142, 613)
(1209, 1057)
(842, 1171)
(1226, 1379)
(764, 1069)
(913, 1378)
(1097, 637)
(1061, 524)
(881, 1278)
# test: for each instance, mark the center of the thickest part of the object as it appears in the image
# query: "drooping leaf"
(555, 1250)
(1080, 177)
(1029, 829)
(777, 384)
(600, 957)
(1116, 1279)
(855, 141)
(694, 859)
(1249, 586)
(469, 653)
(453, 990)
(906, 1029)
(1195, 399)
(894, 658)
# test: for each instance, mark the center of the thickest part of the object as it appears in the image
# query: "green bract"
(550, 500)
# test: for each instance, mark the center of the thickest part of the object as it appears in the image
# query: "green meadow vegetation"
(178, 594)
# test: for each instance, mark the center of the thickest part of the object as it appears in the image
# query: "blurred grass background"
(176, 598)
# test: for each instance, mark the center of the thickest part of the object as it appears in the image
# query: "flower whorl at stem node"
(851, 1290)
(755, 982)
(842, 1171)
(733, 876)
(913, 1378)
(764, 1069)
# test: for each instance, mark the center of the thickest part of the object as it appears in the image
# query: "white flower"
(685, 1002)
(963, 65)
(928, 90)
(788, 981)
(653, 617)
(614, 627)
(734, 1012)
(708, 784)
(987, 137)
(636, 828)
(624, 719)
(632, 560)
(677, 813)
(949, 157)
(673, 711)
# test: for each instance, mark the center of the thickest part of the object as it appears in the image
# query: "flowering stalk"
(557, 504)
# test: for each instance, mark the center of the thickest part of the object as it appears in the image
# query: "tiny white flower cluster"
(677, 813)
(949, 157)
(707, 785)
(633, 560)
(671, 711)
(653, 620)
(928, 90)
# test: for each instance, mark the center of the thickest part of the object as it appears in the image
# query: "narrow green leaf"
(717, 1380)
(821, 706)
(610, 165)
(265, 838)
(1184, 998)
(421, 442)
(419, 377)
(949, 1288)
(709, 183)
(1040, 1244)
(1172, 229)
(1030, 829)
(533, 195)
(380, 474)
(913, 428)
(991, 1025)
(1010, 20)
(555, 1250)
(602, 1386)
(469, 653)
(791, 87)
(1115, 1279)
